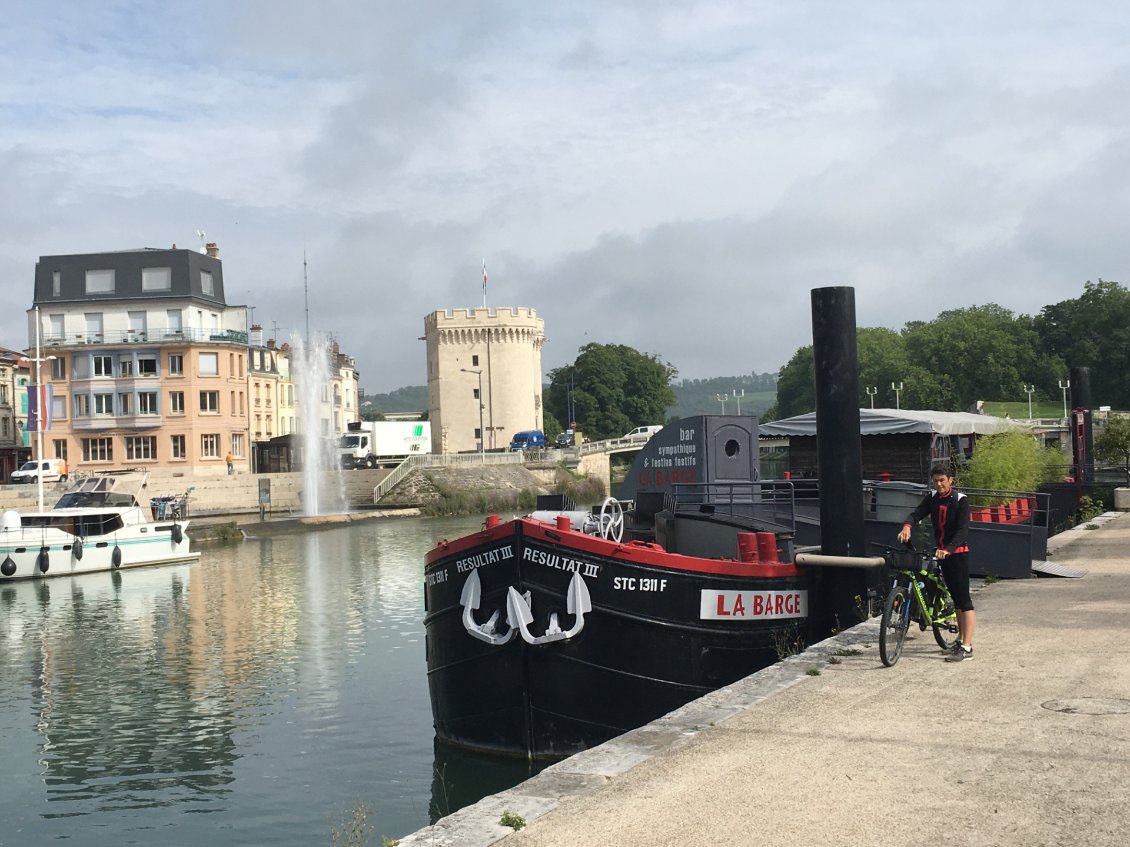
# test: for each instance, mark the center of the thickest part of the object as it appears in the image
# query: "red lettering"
(758, 604)
(789, 608)
(780, 602)
(721, 608)
(739, 607)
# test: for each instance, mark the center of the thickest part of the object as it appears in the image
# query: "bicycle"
(906, 602)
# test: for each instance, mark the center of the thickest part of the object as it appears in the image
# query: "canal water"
(260, 695)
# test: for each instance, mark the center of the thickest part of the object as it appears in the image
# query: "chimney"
(212, 249)
(256, 335)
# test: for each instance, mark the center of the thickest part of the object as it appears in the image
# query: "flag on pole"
(484, 276)
(39, 407)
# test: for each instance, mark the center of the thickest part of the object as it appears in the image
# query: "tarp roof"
(897, 422)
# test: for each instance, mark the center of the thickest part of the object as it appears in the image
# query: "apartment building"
(14, 441)
(146, 360)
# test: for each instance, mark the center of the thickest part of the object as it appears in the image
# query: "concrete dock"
(1028, 744)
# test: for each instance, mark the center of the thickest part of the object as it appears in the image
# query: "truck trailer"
(371, 444)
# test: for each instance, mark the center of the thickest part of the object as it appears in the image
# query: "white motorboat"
(98, 524)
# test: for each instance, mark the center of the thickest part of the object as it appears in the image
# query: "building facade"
(13, 412)
(484, 376)
(146, 360)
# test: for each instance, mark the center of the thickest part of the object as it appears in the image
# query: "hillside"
(692, 396)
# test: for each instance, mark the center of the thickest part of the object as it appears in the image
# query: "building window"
(97, 450)
(138, 322)
(156, 279)
(232, 406)
(125, 403)
(60, 447)
(231, 364)
(147, 366)
(475, 393)
(147, 403)
(474, 361)
(237, 445)
(206, 285)
(57, 327)
(178, 447)
(59, 407)
(103, 365)
(209, 364)
(5, 427)
(81, 405)
(141, 447)
(210, 401)
(241, 404)
(478, 433)
(176, 363)
(100, 282)
(103, 405)
(93, 326)
(176, 402)
(56, 284)
(59, 367)
(125, 367)
(241, 367)
(210, 445)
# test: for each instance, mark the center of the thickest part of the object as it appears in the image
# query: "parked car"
(532, 439)
(53, 471)
(566, 439)
(642, 433)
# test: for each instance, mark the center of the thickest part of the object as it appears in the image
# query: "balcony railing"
(158, 336)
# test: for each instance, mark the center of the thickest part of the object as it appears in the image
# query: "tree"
(1112, 444)
(615, 388)
(1010, 461)
(1092, 331)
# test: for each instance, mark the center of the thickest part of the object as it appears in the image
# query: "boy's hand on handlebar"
(940, 554)
(904, 535)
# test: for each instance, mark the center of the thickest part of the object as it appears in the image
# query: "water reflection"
(460, 777)
(268, 685)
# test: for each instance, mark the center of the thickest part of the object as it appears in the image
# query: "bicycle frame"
(906, 602)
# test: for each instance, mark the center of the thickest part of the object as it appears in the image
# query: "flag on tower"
(484, 276)
(39, 407)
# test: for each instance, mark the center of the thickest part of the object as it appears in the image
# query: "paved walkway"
(1029, 744)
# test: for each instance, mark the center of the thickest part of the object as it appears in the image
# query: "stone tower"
(495, 351)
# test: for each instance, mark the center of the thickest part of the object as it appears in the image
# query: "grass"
(515, 822)
(454, 501)
(813, 671)
(354, 829)
(848, 651)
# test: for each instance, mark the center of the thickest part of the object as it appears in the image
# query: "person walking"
(948, 510)
(231, 465)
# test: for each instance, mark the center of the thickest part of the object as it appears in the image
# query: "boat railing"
(772, 500)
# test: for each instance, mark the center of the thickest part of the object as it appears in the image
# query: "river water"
(260, 695)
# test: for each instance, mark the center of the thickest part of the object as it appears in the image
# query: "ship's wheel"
(611, 519)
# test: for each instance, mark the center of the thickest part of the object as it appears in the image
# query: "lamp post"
(482, 432)
(1064, 386)
(722, 399)
(871, 392)
(1029, 389)
(897, 389)
(738, 398)
(41, 413)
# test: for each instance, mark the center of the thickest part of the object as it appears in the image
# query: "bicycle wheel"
(945, 622)
(892, 629)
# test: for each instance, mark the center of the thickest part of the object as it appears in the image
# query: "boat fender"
(76, 549)
(177, 534)
(8, 567)
(116, 557)
(43, 560)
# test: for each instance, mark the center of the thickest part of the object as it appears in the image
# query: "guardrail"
(153, 336)
(439, 460)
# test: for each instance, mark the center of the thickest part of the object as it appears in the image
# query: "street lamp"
(722, 398)
(1029, 389)
(41, 411)
(871, 392)
(1064, 386)
(896, 390)
(738, 398)
(482, 432)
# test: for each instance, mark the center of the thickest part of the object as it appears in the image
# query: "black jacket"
(950, 517)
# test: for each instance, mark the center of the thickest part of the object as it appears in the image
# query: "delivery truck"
(371, 444)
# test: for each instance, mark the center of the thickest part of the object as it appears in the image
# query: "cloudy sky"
(672, 176)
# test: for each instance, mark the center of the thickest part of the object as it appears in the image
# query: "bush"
(1010, 461)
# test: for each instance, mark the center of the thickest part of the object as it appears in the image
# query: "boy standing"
(948, 510)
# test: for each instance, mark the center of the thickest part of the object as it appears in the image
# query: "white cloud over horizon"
(672, 176)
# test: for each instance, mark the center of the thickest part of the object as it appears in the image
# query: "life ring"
(43, 560)
(116, 557)
(178, 535)
(8, 567)
(76, 549)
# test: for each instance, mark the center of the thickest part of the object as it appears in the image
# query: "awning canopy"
(897, 422)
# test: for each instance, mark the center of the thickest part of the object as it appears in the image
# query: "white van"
(642, 433)
(53, 471)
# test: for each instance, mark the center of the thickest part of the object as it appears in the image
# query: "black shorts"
(955, 570)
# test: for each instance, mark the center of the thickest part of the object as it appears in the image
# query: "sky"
(676, 177)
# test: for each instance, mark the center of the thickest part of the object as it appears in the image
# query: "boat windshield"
(98, 492)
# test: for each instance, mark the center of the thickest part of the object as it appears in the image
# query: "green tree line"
(983, 353)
